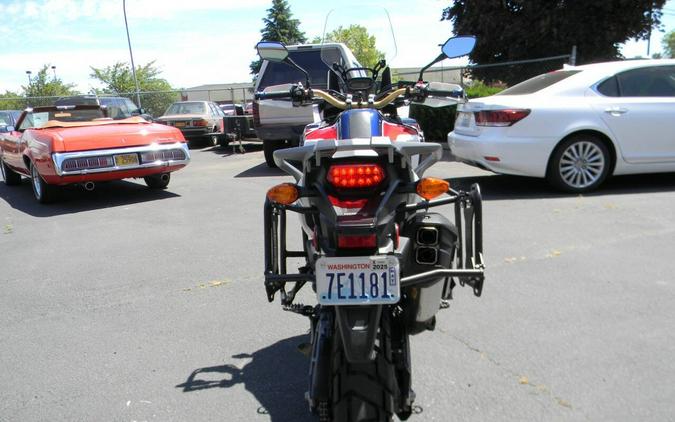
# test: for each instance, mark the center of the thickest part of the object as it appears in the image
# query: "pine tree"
(279, 26)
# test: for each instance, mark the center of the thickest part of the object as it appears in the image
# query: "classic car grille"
(73, 164)
(165, 155)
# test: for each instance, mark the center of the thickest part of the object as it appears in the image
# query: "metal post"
(54, 70)
(28, 72)
(573, 56)
(133, 66)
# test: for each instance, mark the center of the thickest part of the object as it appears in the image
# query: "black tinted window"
(609, 88)
(539, 82)
(657, 81)
(281, 73)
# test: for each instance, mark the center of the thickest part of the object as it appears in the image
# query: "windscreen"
(366, 31)
(39, 118)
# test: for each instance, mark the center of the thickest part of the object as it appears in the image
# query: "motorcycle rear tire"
(364, 391)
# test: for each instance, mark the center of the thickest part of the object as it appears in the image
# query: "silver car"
(198, 120)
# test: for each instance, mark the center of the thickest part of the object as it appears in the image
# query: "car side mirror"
(272, 51)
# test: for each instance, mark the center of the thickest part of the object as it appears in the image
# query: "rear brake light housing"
(350, 241)
(355, 176)
(500, 118)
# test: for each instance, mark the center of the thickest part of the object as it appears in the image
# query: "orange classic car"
(62, 145)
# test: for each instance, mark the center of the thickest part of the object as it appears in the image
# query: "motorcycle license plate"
(362, 280)
(124, 160)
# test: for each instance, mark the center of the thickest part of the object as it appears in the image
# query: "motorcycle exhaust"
(164, 177)
(427, 236)
(425, 255)
(89, 186)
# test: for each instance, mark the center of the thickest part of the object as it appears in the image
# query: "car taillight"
(256, 114)
(165, 155)
(73, 164)
(355, 176)
(200, 123)
(357, 241)
(500, 118)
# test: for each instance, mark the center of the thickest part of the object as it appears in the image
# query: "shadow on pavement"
(234, 148)
(499, 187)
(275, 375)
(74, 199)
(261, 170)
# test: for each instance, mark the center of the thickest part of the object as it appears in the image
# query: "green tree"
(45, 85)
(118, 79)
(668, 44)
(12, 101)
(279, 26)
(526, 29)
(358, 40)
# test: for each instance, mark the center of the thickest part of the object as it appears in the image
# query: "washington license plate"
(363, 280)
(125, 160)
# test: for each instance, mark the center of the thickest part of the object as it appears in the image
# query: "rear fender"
(358, 326)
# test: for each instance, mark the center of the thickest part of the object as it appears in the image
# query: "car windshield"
(308, 59)
(39, 117)
(5, 118)
(538, 83)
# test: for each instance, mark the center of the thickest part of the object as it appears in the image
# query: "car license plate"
(464, 119)
(179, 124)
(363, 280)
(125, 160)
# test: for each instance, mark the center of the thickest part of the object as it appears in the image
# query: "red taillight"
(256, 114)
(357, 241)
(355, 176)
(500, 118)
(200, 123)
(342, 203)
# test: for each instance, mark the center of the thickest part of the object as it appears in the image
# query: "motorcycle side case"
(432, 242)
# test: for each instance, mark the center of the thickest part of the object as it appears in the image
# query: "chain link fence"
(154, 103)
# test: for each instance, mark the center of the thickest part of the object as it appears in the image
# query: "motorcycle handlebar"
(344, 105)
(272, 95)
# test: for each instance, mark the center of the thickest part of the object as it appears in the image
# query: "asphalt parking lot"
(128, 304)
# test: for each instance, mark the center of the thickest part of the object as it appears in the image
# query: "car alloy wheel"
(8, 175)
(580, 164)
(43, 192)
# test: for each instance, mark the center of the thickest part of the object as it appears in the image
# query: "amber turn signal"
(285, 193)
(430, 187)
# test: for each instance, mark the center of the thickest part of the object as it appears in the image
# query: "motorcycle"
(380, 263)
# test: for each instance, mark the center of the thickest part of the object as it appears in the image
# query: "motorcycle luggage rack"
(469, 267)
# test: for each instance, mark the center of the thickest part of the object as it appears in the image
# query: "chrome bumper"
(60, 157)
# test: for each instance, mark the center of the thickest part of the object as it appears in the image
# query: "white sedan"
(575, 126)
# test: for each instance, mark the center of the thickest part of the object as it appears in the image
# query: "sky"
(203, 41)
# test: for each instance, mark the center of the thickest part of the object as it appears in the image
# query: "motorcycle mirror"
(458, 46)
(452, 48)
(276, 52)
(272, 51)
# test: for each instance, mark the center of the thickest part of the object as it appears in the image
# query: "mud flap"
(358, 329)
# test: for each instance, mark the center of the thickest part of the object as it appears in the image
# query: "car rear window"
(281, 73)
(187, 108)
(539, 82)
(5, 119)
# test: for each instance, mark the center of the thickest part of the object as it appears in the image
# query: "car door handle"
(616, 111)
